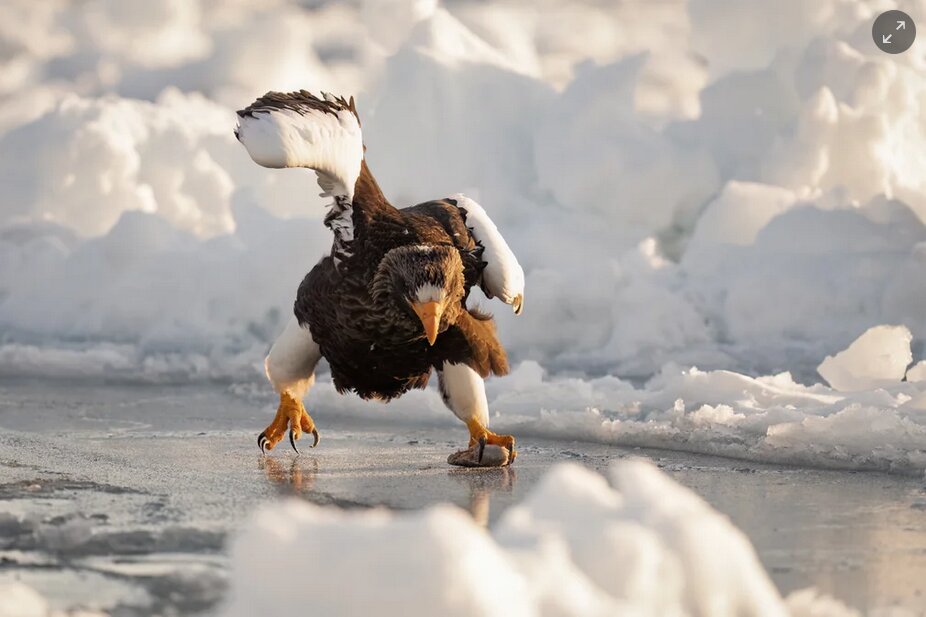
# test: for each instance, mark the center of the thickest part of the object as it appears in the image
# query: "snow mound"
(176, 158)
(433, 562)
(575, 546)
(877, 358)
(19, 600)
(770, 419)
(648, 543)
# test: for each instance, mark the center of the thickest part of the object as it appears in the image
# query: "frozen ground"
(121, 498)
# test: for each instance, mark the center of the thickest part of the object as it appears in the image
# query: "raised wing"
(502, 277)
(299, 129)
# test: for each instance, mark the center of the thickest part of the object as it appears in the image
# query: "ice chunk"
(876, 359)
(917, 372)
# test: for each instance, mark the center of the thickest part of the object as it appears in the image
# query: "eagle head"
(424, 282)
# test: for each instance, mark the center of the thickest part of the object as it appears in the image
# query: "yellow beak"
(429, 313)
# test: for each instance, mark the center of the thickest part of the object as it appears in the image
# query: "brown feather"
(375, 346)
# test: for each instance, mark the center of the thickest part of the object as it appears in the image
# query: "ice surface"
(574, 546)
(680, 193)
(124, 506)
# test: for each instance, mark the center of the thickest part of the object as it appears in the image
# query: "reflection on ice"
(295, 478)
(482, 484)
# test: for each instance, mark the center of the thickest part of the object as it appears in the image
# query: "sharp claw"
(261, 442)
(482, 448)
(292, 441)
(315, 433)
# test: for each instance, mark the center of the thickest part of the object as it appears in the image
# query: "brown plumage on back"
(388, 305)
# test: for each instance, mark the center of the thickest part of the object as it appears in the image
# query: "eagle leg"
(463, 391)
(290, 414)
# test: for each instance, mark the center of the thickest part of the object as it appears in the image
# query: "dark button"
(893, 32)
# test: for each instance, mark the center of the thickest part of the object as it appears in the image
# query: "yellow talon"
(478, 434)
(290, 414)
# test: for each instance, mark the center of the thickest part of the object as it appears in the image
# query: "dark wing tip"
(300, 101)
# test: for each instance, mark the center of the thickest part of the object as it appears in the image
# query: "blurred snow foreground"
(728, 184)
(20, 600)
(575, 546)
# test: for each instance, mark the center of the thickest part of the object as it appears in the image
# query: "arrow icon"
(901, 25)
(886, 38)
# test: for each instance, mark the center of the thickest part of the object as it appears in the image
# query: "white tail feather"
(330, 142)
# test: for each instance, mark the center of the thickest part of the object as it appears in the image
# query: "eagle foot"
(486, 449)
(290, 414)
(476, 456)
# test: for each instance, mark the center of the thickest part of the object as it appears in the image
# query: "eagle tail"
(299, 129)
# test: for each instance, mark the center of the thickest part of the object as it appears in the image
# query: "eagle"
(388, 304)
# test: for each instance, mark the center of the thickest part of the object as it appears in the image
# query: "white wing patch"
(329, 143)
(503, 276)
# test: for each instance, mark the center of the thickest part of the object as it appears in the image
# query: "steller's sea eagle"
(388, 304)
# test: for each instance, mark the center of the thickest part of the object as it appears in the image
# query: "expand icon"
(893, 32)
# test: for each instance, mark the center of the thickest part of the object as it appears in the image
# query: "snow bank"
(769, 419)
(680, 192)
(87, 161)
(229, 50)
(764, 419)
(575, 546)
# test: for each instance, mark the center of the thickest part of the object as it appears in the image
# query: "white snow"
(20, 600)
(679, 192)
(574, 546)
